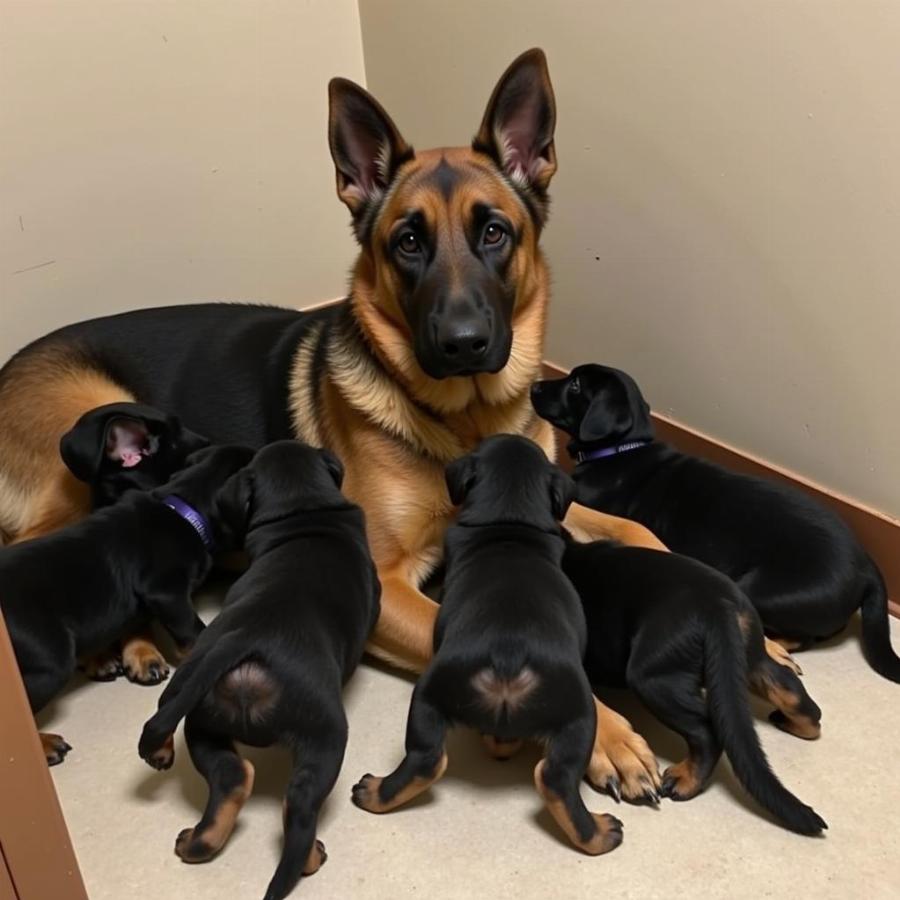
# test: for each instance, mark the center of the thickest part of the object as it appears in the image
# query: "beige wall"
(162, 152)
(726, 219)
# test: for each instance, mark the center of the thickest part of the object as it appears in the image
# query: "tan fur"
(502, 750)
(607, 834)
(195, 847)
(370, 801)
(500, 694)
(686, 778)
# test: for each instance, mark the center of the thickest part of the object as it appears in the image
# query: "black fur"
(74, 592)
(667, 627)
(527, 619)
(296, 623)
(93, 449)
(797, 561)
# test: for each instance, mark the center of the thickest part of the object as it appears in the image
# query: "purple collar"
(585, 455)
(193, 518)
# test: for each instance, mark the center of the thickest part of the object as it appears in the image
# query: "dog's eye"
(409, 243)
(494, 234)
(575, 386)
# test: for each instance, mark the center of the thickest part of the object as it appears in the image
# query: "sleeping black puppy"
(113, 449)
(75, 591)
(270, 667)
(508, 641)
(125, 446)
(685, 639)
(797, 561)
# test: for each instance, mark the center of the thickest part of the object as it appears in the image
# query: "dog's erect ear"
(517, 129)
(366, 146)
(334, 465)
(460, 477)
(562, 493)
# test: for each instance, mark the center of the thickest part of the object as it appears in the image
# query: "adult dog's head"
(450, 261)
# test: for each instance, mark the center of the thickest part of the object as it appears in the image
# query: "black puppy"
(509, 640)
(685, 639)
(798, 562)
(113, 449)
(270, 668)
(125, 446)
(75, 591)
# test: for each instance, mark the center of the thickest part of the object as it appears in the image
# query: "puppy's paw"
(55, 748)
(681, 781)
(501, 750)
(159, 757)
(316, 859)
(364, 794)
(622, 763)
(143, 663)
(192, 849)
(104, 667)
(607, 837)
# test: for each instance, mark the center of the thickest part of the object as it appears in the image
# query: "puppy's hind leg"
(316, 767)
(425, 761)
(230, 781)
(557, 778)
(675, 699)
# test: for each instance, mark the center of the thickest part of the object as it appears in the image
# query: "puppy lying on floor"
(270, 667)
(685, 639)
(508, 642)
(75, 591)
(798, 562)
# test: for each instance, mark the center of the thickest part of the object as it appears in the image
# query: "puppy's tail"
(876, 629)
(192, 681)
(729, 706)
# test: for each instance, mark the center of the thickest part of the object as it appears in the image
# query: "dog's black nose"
(463, 343)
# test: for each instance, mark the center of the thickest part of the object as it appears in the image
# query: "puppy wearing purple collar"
(797, 561)
(140, 558)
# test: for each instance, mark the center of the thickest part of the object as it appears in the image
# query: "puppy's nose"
(464, 342)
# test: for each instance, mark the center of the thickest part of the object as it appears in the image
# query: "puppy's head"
(285, 478)
(598, 406)
(509, 480)
(206, 474)
(124, 446)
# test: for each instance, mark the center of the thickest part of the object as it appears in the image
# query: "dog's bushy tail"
(192, 681)
(876, 629)
(729, 707)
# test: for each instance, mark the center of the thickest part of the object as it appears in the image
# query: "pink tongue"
(130, 458)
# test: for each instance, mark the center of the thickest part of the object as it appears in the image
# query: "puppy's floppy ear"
(562, 493)
(334, 465)
(518, 124)
(234, 499)
(121, 432)
(460, 477)
(366, 146)
(609, 415)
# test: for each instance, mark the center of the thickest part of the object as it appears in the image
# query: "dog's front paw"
(622, 763)
(143, 663)
(104, 667)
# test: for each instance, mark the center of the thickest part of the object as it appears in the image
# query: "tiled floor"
(481, 832)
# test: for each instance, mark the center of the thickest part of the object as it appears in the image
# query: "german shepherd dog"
(435, 348)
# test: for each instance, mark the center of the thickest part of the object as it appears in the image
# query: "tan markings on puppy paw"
(316, 859)
(55, 748)
(194, 846)
(501, 750)
(143, 663)
(366, 792)
(607, 829)
(165, 756)
(681, 781)
(796, 724)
